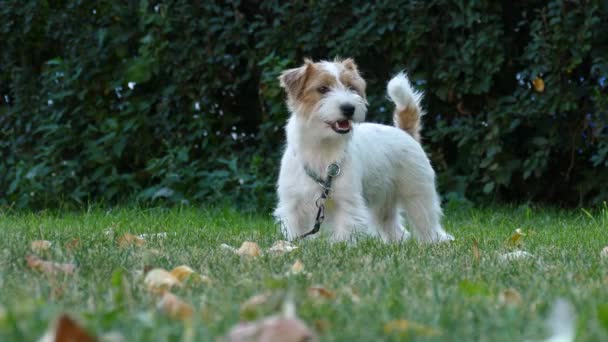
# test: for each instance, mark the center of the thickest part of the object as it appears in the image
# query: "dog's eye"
(352, 88)
(323, 90)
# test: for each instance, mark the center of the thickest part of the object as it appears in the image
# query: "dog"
(376, 173)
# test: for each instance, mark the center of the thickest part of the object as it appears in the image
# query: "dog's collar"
(333, 170)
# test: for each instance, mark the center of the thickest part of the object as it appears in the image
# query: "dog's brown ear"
(349, 64)
(293, 80)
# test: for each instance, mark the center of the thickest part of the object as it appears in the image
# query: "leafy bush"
(179, 101)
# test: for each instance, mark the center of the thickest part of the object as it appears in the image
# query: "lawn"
(366, 291)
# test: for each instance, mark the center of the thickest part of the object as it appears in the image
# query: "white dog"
(379, 172)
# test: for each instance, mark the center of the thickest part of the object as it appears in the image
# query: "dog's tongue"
(343, 124)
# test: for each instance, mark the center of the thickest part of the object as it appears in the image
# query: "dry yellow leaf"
(182, 272)
(255, 301)
(159, 280)
(128, 240)
(272, 329)
(72, 244)
(65, 329)
(510, 297)
(49, 267)
(40, 246)
(174, 307)
(516, 238)
(476, 253)
(403, 326)
(539, 84)
(320, 292)
(250, 249)
(297, 267)
(281, 247)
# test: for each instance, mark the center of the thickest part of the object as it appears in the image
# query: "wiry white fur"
(384, 173)
(401, 92)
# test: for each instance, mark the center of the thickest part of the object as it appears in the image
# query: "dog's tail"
(408, 111)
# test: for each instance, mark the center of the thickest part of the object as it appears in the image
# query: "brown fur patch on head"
(303, 84)
(293, 80)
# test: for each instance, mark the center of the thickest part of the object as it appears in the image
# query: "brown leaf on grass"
(72, 244)
(49, 267)
(65, 329)
(250, 249)
(255, 301)
(539, 84)
(510, 297)
(40, 246)
(128, 240)
(404, 327)
(174, 307)
(476, 254)
(282, 247)
(277, 328)
(320, 292)
(272, 329)
(297, 267)
(182, 272)
(516, 238)
(160, 281)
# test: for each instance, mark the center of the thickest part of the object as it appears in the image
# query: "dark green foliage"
(202, 119)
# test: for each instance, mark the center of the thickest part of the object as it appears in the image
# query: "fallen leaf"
(561, 322)
(40, 246)
(515, 255)
(174, 307)
(320, 292)
(604, 253)
(65, 329)
(250, 249)
(128, 240)
(255, 301)
(182, 272)
(476, 254)
(49, 267)
(510, 297)
(160, 281)
(539, 84)
(72, 244)
(282, 247)
(297, 267)
(403, 326)
(516, 238)
(272, 329)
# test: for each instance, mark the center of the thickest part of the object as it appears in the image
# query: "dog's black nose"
(348, 110)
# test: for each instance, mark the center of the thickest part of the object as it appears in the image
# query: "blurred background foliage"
(177, 101)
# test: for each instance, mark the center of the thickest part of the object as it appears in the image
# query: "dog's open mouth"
(341, 126)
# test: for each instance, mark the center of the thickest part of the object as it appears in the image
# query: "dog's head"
(330, 96)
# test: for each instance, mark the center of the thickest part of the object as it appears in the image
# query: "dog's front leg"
(295, 218)
(351, 216)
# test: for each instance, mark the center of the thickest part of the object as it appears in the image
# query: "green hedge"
(178, 101)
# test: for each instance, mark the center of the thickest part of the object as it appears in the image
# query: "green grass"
(441, 287)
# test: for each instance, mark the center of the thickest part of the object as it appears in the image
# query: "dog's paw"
(435, 237)
(440, 237)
